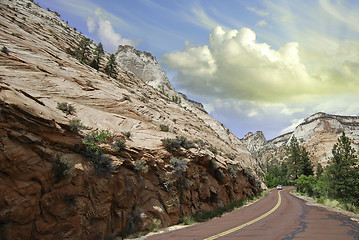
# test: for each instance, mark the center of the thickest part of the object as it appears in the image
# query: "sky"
(255, 65)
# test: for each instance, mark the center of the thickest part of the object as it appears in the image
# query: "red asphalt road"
(292, 220)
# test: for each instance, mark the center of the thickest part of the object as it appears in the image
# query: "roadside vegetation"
(336, 185)
(205, 216)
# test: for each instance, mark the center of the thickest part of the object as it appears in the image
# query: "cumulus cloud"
(105, 32)
(235, 66)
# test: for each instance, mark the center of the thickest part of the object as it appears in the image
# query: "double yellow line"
(248, 223)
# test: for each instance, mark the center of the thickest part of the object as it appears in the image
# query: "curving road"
(279, 215)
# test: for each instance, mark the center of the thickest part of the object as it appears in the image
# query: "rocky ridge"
(38, 70)
(317, 133)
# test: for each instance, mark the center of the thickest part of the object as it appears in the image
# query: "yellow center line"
(248, 223)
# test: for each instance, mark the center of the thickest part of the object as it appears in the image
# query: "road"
(279, 215)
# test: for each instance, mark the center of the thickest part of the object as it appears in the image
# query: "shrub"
(118, 144)
(179, 165)
(164, 128)
(230, 156)
(95, 154)
(126, 134)
(187, 220)
(233, 170)
(200, 143)
(63, 167)
(213, 149)
(66, 108)
(99, 136)
(175, 144)
(140, 166)
(185, 143)
(171, 144)
(76, 125)
(5, 50)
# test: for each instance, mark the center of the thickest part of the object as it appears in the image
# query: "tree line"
(83, 53)
(339, 180)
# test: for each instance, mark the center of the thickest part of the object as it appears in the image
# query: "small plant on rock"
(164, 128)
(118, 144)
(66, 108)
(76, 125)
(179, 165)
(141, 166)
(95, 154)
(126, 134)
(63, 167)
(5, 50)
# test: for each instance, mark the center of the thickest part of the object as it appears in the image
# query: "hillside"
(140, 187)
(317, 133)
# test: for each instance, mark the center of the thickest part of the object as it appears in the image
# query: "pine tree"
(343, 172)
(305, 165)
(293, 159)
(83, 50)
(319, 171)
(95, 63)
(298, 159)
(110, 68)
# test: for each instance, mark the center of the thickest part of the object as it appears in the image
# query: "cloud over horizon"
(235, 66)
(104, 30)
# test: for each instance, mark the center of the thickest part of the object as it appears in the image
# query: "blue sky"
(255, 65)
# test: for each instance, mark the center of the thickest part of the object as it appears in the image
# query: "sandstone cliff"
(317, 133)
(138, 188)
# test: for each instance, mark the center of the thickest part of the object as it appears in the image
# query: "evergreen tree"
(305, 165)
(293, 158)
(343, 172)
(95, 63)
(319, 171)
(83, 50)
(298, 159)
(110, 68)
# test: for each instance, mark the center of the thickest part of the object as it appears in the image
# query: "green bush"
(4, 50)
(175, 144)
(99, 136)
(179, 165)
(171, 144)
(76, 125)
(200, 143)
(63, 167)
(66, 108)
(187, 220)
(118, 144)
(164, 128)
(126, 134)
(141, 166)
(213, 149)
(95, 154)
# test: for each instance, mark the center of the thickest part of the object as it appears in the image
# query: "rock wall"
(37, 71)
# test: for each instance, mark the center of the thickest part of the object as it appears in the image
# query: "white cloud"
(258, 12)
(201, 19)
(105, 32)
(261, 23)
(344, 14)
(235, 66)
(295, 123)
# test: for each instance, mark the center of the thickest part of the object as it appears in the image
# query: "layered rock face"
(318, 134)
(38, 71)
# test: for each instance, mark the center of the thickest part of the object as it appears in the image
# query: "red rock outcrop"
(38, 71)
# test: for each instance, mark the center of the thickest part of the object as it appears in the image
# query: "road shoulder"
(311, 202)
